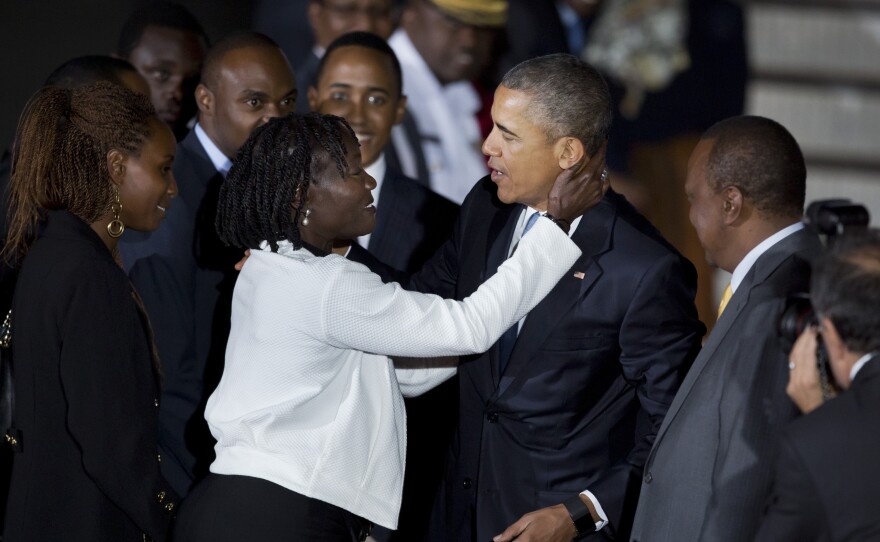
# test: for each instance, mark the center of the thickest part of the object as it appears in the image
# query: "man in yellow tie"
(725, 299)
(708, 474)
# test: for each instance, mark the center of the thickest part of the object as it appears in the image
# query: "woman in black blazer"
(89, 162)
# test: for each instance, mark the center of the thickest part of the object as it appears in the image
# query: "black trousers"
(235, 508)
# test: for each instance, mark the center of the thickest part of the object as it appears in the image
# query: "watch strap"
(580, 515)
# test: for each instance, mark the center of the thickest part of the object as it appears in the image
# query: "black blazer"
(827, 483)
(412, 222)
(591, 375)
(86, 398)
(185, 276)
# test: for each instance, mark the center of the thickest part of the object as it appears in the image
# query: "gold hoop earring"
(115, 228)
(305, 220)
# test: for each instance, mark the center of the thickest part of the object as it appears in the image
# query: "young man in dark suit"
(167, 45)
(183, 271)
(709, 471)
(827, 471)
(330, 19)
(359, 79)
(557, 418)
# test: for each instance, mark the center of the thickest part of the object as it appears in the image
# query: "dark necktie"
(505, 344)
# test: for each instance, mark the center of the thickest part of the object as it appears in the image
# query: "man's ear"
(570, 151)
(204, 99)
(312, 95)
(733, 204)
(401, 110)
(116, 162)
(407, 16)
(839, 356)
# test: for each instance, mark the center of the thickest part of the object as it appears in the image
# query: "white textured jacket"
(309, 398)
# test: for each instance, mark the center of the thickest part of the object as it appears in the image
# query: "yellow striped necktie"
(725, 298)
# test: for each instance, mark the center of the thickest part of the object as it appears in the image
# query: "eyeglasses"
(352, 10)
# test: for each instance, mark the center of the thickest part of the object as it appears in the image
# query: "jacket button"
(169, 507)
(160, 496)
(649, 478)
(155, 402)
(492, 417)
(467, 483)
(159, 458)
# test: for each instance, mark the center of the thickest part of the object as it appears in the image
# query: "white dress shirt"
(857, 366)
(742, 268)
(446, 119)
(221, 162)
(309, 399)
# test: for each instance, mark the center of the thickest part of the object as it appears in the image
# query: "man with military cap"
(442, 45)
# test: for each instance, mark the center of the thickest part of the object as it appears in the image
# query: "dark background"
(36, 36)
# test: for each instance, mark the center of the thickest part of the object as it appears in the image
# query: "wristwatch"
(561, 222)
(580, 515)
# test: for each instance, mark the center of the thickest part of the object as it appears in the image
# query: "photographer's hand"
(803, 376)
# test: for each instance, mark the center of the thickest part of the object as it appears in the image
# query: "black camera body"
(835, 217)
(830, 218)
(797, 316)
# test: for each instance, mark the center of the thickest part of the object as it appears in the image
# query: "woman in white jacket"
(309, 416)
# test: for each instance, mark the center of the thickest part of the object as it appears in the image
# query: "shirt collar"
(859, 364)
(524, 216)
(746, 263)
(221, 162)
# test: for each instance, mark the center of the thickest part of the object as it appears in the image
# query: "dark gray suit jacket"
(827, 484)
(709, 472)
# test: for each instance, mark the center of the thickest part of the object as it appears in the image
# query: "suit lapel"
(764, 267)
(500, 232)
(593, 236)
(719, 332)
(498, 240)
(193, 155)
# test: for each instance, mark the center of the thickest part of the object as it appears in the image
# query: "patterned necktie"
(505, 344)
(725, 298)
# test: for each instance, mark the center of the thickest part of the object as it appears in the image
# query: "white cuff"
(603, 518)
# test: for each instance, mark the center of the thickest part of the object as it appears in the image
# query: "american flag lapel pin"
(579, 275)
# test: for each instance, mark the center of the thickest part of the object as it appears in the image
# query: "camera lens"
(797, 316)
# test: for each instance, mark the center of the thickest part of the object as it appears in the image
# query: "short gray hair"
(568, 98)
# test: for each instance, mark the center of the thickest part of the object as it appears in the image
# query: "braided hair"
(264, 191)
(59, 158)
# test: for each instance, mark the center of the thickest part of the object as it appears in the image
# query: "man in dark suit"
(709, 471)
(359, 79)
(183, 272)
(564, 408)
(167, 45)
(826, 484)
